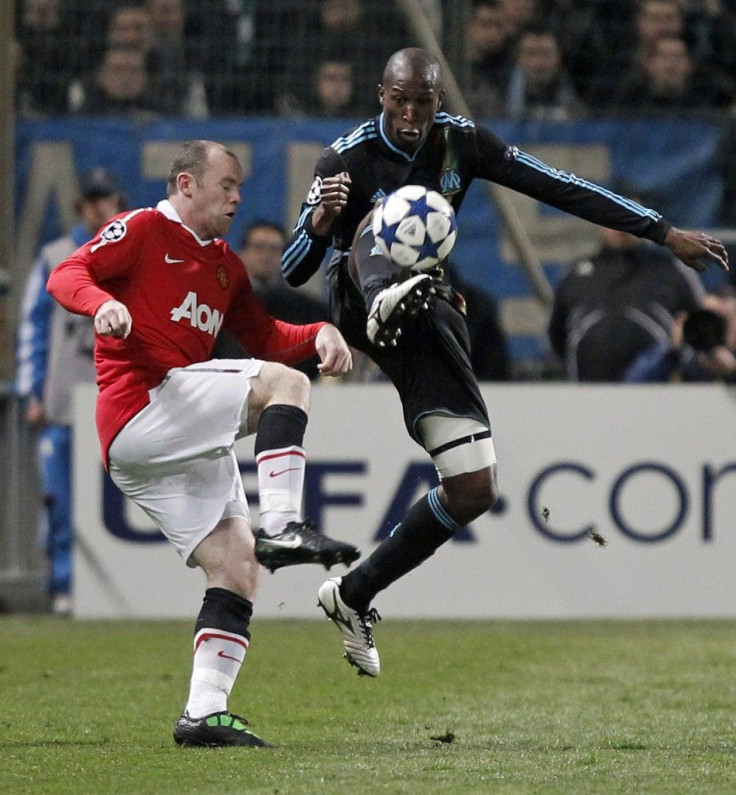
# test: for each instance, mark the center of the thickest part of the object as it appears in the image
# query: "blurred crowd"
(197, 58)
(551, 60)
(540, 59)
(563, 59)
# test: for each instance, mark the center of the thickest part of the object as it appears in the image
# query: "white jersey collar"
(167, 208)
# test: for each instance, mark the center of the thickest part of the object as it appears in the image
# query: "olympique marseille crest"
(222, 277)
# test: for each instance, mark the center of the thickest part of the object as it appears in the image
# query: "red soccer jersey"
(180, 291)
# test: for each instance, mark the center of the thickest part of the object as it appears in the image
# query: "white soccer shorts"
(175, 458)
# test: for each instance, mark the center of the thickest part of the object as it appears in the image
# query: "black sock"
(374, 272)
(226, 610)
(372, 287)
(424, 529)
(280, 426)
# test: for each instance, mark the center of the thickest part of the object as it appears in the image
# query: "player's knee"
(471, 495)
(300, 387)
(480, 500)
(283, 384)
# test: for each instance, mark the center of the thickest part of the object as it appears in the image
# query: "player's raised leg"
(278, 406)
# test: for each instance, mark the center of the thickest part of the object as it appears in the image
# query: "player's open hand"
(335, 355)
(334, 193)
(112, 319)
(695, 247)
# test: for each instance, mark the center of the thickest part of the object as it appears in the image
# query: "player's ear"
(184, 183)
(441, 98)
(380, 94)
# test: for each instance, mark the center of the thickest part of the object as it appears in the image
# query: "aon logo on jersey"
(199, 315)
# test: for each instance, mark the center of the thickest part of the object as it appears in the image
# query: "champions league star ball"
(415, 227)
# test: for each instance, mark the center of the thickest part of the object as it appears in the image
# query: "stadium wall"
(617, 502)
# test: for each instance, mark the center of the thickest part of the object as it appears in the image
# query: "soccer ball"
(415, 227)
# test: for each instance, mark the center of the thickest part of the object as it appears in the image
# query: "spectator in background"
(490, 56)
(84, 28)
(172, 61)
(104, 25)
(46, 63)
(518, 14)
(582, 29)
(701, 347)
(654, 19)
(129, 23)
(120, 86)
(344, 22)
(263, 244)
(612, 306)
(331, 89)
(340, 26)
(669, 80)
(628, 46)
(54, 354)
(539, 87)
(334, 93)
(232, 44)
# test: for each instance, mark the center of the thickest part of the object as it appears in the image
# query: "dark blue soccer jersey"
(455, 152)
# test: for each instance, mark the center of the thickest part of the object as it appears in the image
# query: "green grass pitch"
(460, 707)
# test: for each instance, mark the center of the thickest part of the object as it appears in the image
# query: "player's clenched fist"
(334, 193)
(112, 319)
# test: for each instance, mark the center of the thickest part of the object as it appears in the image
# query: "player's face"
(96, 210)
(215, 196)
(262, 252)
(410, 101)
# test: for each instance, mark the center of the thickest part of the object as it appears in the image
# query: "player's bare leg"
(278, 407)
(221, 638)
(455, 444)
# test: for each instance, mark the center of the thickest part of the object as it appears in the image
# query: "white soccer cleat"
(395, 305)
(357, 630)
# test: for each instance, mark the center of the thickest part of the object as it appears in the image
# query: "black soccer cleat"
(299, 543)
(218, 730)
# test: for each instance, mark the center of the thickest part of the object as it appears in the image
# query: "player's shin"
(284, 539)
(220, 643)
(281, 462)
(426, 526)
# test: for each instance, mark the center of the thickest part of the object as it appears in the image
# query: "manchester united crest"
(222, 277)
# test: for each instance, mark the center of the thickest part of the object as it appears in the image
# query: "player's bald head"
(413, 64)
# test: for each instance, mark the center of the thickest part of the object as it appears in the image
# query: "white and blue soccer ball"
(415, 227)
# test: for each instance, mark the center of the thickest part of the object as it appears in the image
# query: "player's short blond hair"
(192, 159)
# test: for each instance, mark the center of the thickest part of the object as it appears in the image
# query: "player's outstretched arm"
(334, 353)
(694, 247)
(112, 319)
